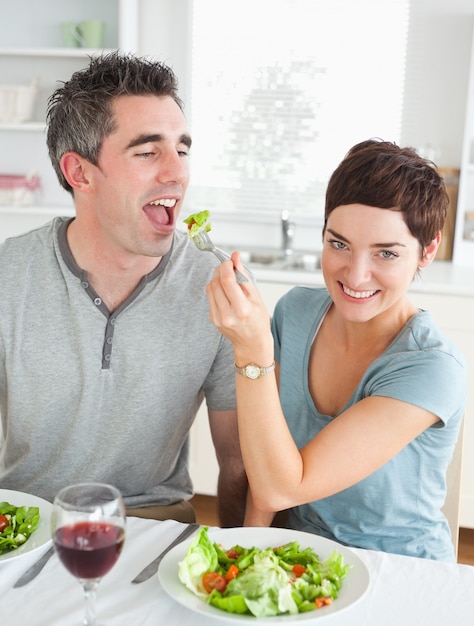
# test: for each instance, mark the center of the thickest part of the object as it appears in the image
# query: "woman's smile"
(358, 295)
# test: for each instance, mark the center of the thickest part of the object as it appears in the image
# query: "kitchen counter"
(441, 277)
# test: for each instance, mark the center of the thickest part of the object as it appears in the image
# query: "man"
(106, 349)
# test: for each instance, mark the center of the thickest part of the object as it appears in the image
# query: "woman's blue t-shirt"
(397, 508)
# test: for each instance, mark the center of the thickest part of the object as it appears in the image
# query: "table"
(404, 591)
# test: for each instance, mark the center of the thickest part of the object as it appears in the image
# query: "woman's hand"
(239, 313)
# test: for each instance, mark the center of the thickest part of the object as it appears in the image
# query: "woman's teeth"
(358, 294)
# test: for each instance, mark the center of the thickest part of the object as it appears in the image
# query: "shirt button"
(85, 284)
(98, 301)
(108, 357)
(109, 340)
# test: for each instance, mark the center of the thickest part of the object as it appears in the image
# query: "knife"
(152, 567)
(35, 569)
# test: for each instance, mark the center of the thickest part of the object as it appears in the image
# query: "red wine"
(89, 549)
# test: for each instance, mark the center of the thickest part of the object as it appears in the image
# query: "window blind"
(281, 89)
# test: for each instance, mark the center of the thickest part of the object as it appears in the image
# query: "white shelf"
(72, 53)
(24, 127)
(37, 210)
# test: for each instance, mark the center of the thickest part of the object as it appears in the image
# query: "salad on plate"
(17, 523)
(278, 580)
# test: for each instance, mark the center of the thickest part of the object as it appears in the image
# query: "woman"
(354, 429)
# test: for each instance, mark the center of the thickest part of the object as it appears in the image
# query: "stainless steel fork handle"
(152, 567)
(223, 256)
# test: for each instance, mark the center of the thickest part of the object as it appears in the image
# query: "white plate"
(355, 584)
(41, 536)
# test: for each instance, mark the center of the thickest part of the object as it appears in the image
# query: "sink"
(272, 259)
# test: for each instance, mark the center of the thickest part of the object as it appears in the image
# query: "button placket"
(108, 342)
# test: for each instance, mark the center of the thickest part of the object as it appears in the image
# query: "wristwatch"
(253, 371)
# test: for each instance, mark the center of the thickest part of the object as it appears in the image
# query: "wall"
(164, 33)
(436, 91)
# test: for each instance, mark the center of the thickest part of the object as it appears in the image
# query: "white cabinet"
(32, 47)
(203, 465)
(455, 315)
(464, 231)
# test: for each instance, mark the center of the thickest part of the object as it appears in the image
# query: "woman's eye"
(337, 245)
(387, 254)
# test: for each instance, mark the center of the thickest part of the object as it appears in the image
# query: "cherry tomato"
(298, 570)
(231, 572)
(3, 522)
(213, 580)
(232, 553)
(325, 600)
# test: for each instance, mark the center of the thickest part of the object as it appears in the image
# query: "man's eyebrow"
(156, 138)
(388, 244)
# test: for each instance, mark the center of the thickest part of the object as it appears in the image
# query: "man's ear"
(430, 250)
(74, 168)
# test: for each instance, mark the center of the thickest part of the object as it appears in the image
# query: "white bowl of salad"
(25, 522)
(271, 573)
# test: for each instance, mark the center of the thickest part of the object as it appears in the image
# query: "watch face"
(252, 371)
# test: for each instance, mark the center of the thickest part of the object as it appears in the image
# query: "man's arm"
(232, 482)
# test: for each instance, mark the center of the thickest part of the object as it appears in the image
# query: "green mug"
(92, 33)
(71, 32)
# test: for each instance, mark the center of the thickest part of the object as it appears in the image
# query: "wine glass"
(88, 528)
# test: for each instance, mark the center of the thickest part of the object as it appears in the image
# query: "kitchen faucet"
(288, 233)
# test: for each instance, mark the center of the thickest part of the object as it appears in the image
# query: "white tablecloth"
(404, 591)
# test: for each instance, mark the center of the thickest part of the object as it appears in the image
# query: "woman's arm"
(350, 448)
(254, 516)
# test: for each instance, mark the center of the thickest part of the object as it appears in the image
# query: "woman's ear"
(430, 250)
(74, 169)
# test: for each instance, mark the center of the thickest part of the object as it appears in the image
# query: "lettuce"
(231, 604)
(262, 584)
(201, 557)
(22, 522)
(197, 221)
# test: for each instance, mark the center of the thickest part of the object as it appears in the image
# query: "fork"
(203, 242)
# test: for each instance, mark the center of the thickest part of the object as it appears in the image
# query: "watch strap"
(253, 371)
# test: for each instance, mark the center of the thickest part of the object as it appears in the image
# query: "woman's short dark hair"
(80, 114)
(381, 174)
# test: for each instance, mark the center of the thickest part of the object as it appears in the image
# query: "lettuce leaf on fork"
(197, 221)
